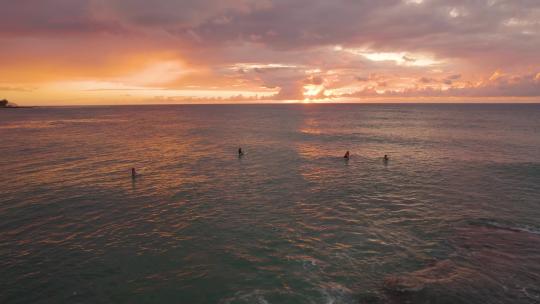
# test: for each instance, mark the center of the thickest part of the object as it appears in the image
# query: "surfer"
(386, 158)
(133, 173)
(240, 152)
(347, 155)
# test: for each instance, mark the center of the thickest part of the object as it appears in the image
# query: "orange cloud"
(124, 51)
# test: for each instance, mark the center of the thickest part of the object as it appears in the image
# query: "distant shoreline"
(281, 104)
(278, 104)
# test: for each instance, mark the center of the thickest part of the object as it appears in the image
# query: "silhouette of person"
(133, 173)
(347, 155)
(240, 152)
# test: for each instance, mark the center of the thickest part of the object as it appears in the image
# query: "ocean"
(452, 217)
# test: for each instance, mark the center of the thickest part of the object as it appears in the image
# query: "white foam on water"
(335, 293)
(256, 297)
(515, 227)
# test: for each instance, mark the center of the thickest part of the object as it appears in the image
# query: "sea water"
(452, 217)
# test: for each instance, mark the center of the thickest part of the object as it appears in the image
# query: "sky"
(72, 52)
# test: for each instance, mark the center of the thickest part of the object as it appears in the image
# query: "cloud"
(299, 48)
(362, 78)
(527, 85)
(427, 80)
(454, 77)
(16, 89)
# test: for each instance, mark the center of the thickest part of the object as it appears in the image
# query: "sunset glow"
(68, 52)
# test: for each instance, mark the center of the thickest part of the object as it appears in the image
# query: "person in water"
(133, 173)
(347, 155)
(240, 152)
(386, 158)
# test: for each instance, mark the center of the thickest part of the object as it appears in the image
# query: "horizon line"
(278, 103)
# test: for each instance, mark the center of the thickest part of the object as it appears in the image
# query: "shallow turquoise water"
(453, 217)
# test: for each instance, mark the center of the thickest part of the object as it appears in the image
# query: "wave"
(255, 297)
(509, 226)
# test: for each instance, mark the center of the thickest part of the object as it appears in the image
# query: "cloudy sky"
(173, 51)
